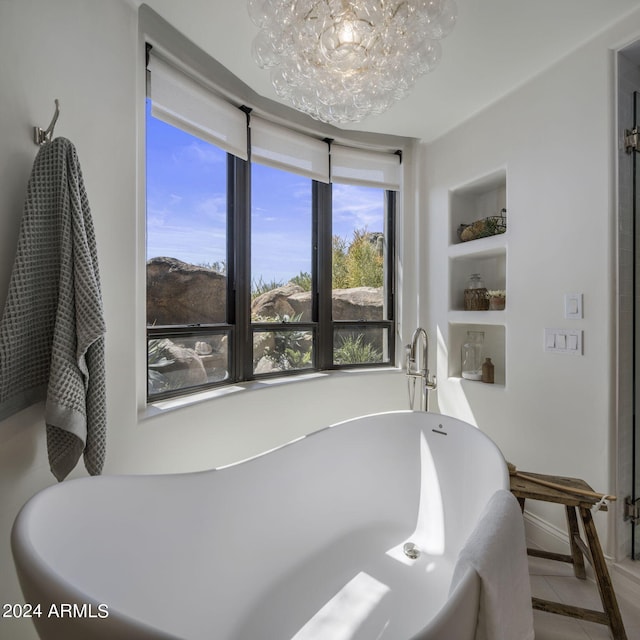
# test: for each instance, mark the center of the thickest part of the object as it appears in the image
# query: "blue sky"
(186, 207)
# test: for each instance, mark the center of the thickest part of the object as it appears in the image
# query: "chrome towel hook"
(42, 136)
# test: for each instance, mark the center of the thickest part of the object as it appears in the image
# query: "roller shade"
(182, 102)
(283, 148)
(365, 168)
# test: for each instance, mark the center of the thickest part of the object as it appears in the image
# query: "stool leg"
(607, 594)
(578, 559)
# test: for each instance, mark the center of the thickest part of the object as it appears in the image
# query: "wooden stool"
(524, 489)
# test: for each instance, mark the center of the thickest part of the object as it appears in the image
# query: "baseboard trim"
(544, 535)
(541, 534)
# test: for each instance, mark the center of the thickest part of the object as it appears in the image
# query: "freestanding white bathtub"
(303, 542)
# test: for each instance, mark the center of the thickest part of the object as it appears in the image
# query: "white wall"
(555, 135)
(87, 54)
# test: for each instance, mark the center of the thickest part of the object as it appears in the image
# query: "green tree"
(360, 264)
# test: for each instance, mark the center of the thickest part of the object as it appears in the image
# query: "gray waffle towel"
(52, 330)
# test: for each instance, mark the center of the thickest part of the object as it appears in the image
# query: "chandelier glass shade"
(343, 60)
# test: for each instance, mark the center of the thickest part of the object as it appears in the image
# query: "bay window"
(269, 251)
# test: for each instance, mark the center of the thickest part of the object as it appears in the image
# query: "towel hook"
(42, 136)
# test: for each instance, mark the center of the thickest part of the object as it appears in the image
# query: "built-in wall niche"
(493, 347)
(476, 200)
(490, 262)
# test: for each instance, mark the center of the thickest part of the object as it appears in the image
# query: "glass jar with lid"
(475, 281)
(475, 294)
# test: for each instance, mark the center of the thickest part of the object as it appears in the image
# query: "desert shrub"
(354, 350)
(259, 286)
(358, 264)
(339, 272)
(365, 267)
(220, 266)
(303, 279)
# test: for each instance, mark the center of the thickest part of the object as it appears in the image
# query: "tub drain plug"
(411, 551)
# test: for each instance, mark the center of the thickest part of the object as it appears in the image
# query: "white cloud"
(200, 153)
(356, 208)
(214, 207)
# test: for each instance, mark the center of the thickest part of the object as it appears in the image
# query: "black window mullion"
(323, 285)
(231, 242)
(240, 193)
(283, 326)
(390, 268)
(390, 284)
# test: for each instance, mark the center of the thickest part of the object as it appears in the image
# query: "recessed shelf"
(474, 383)
(477, 317)
(494, 347)
(476, 200)
(492, 245)
(491, 266)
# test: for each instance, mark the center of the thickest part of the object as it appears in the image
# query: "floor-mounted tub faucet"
(427, 382)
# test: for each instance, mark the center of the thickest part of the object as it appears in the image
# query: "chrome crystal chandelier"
(343, 60)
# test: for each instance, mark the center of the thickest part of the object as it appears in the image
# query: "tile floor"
(555, 581)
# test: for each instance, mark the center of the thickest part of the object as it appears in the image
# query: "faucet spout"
(415, 372)
(415, 339)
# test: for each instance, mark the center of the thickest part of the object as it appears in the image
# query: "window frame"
(238, 326)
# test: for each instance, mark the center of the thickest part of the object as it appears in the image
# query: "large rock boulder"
(301, 305)
(174, 366)
(181, 293)
(277, 303)
(359, 303)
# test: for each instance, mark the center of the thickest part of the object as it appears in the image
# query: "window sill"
(162, 407)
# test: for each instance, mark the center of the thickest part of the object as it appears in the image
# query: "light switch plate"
(573, 306)
(568, 341)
